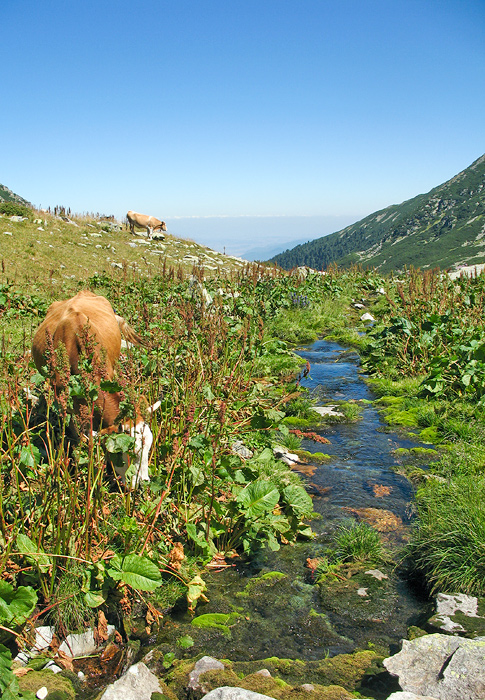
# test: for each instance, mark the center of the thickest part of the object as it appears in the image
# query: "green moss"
(296, 422)
(429, 435)
(347, 670)
(415, 632)
(312, 456)
(54, 682)
(265, 580)
(407, 418)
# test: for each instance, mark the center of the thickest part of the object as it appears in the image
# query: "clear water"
(286, 618)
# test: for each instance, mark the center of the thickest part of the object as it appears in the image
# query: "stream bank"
(272, 607)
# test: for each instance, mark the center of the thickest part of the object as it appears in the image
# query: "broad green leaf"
(258, 498)
(110, 386)
(94, 599)
(38, 558)
(16, 605)
(119, 442)
(140, 573)
(207, 393)
(298, 499)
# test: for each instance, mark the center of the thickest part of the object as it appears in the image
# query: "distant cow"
(89, 319)
(150, 223)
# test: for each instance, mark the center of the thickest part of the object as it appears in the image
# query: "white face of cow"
(143, 443)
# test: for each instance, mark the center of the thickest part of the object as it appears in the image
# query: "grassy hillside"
(55, 255)
(445, 227)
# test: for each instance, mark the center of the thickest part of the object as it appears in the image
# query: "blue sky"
(210, 112)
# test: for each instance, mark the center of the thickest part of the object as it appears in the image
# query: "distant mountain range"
(445, 228)
(7, 195)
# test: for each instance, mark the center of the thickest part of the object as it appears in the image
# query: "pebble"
(42, 693)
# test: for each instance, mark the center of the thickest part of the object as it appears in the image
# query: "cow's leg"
(149, 231)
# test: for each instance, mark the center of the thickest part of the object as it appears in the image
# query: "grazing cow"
(143, 221)
(89, 319)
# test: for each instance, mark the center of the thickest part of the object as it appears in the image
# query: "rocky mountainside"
(445, 228)
(7, 195)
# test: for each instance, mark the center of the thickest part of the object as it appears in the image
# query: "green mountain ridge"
(7, 195)
(445, 228)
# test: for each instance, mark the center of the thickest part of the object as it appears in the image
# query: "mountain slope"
(7, 195)
(445, 227)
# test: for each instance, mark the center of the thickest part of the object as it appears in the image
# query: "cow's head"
(140, 430)
(163, 226)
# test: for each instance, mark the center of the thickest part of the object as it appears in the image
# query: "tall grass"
(448, 544)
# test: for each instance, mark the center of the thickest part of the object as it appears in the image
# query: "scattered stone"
(206, 663)
(308, 687)
(43, 635)
(288, 458)
(52, 666)
(40, 228)
(328, 411)
(358, 306)
(400, 695)
(264, 672)
(381, 290)
(82, 644)
(376, 574)
(367, 317)
(138, 683)
(7, 233)
(458, 614)
(42, 693)
(441, 666)
(229, 693)
(118, 265)
(362, 592)
(18, 219)
(240, 449)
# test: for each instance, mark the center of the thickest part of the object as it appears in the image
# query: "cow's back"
(65, 323)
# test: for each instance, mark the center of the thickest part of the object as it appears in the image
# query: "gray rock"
(239, 448)
(327, 411)
(81, 644)
(367, 317)
(308, 687)
(206, 663)
(17, 219)
(376, 574)
(138, 683)
(264, 672)
(402, 695)
(228, 693)
(440, 666)
(458, 614)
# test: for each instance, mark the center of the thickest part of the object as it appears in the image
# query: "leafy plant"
(16, 606)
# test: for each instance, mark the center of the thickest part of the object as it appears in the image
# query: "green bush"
(14, 209)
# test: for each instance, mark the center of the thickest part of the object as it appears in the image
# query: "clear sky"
(272, 109)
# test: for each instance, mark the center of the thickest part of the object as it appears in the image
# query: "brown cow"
(143, 221)
(88, 315)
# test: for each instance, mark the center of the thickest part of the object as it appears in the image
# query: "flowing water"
(286, 616)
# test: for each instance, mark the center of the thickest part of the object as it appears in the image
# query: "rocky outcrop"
(441, 666)
(138, 683)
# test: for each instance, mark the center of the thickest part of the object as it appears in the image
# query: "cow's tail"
(128, 333)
